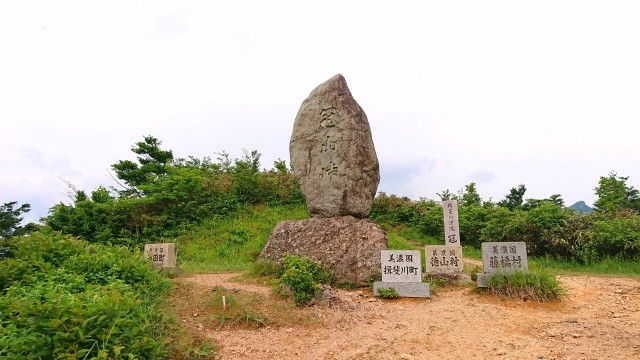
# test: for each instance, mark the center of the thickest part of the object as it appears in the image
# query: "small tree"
(10, 219)
(514, 199)
(470, 195)
(153, 163)
(447, 195)
(534, 203)
(614, 194)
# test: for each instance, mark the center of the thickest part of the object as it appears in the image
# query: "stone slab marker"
(451, 228)
(444, 259)
(332, 153)
(161, 255)
(402, 271)
(502, 257)
(401, 265)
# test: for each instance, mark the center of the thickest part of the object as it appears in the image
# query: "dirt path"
(599, 319)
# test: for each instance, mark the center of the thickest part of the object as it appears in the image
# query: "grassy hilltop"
(77, 286)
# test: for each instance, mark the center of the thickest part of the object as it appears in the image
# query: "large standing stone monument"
(335, 162)
(332, 153)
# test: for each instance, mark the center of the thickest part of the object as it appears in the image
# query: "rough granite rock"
(347, 246)
(332, 153)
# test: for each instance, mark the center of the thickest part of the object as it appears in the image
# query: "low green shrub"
(302, 276)
(61, 297)
(615, 236)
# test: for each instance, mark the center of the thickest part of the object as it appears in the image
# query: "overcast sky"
(499, 93)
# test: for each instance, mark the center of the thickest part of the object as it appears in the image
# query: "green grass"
(399, 242)
(241, 309)
(233, 243)
(613, 267)
(539, 286)
(471, 253)
(413, 235)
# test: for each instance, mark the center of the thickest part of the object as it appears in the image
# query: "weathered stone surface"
(332, 153)
(444, 259)
(482, 280)
(347, 246)
(161, 255)
(506, 257)
(401, 266)
(404, 289)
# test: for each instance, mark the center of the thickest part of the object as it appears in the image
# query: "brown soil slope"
(598, 319)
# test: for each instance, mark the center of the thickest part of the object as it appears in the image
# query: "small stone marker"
(505, 257)
(401, 265)
(444, 259)
(402, 271)
(451, 228)
(161, 255)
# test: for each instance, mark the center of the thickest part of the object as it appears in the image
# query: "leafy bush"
(302, 276)
(540, 223)
(424, 215)
(61, 297)
(568, 241)
(472, 219)
(503, 225)
(612, 236)
(166, 196)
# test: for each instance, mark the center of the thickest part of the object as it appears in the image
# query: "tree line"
(545, 225)
(158, 196)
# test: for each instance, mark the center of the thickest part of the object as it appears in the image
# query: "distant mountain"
(581, 207)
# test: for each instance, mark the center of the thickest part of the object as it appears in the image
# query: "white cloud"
(500, 93)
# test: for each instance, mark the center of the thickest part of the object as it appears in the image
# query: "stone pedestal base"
(346, 246)
(404, 289)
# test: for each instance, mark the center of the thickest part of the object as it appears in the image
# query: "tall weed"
(527, 286)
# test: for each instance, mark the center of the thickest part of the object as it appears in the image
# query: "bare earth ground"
(598, 319)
